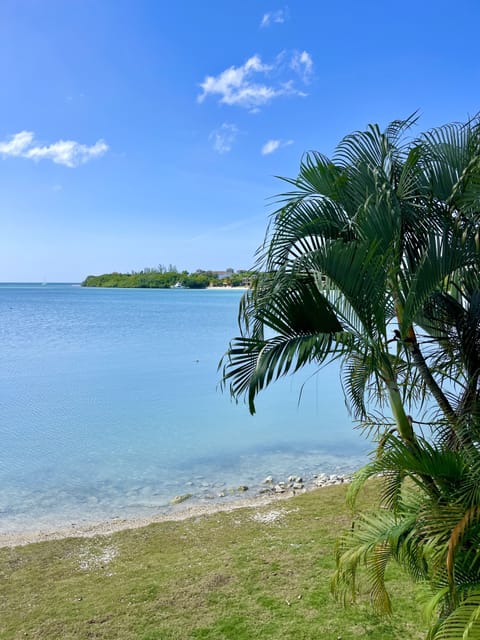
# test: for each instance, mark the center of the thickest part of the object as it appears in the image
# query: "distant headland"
(170, 278)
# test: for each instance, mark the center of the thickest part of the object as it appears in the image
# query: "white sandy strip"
(226, 288)
(118, 524)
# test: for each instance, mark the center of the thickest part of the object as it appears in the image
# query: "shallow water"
(109, 407)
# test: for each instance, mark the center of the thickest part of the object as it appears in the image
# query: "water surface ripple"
(109, 407)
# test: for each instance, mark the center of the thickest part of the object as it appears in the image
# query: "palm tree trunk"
(402, 421)
(405, 429)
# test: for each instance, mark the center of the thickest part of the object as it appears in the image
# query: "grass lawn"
(250, 573)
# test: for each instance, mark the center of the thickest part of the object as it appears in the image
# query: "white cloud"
(302, 64)
(238, 85)
(273, 145)
(66, 152)
(277, 17)
(224, 137)
(235, 86)
(270, 147)
(17, 144)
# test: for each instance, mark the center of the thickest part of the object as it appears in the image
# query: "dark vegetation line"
(167, 278)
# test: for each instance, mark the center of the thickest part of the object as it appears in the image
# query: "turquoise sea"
(109, 407)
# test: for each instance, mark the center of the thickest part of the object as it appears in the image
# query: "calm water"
(109, 407)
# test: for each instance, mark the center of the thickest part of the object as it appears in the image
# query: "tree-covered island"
(169, 277)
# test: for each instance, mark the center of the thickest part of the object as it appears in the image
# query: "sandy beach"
(226, 288)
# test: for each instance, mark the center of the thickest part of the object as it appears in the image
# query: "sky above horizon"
(134, 134)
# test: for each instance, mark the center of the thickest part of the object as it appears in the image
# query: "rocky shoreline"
(186, 506)
(297, 483)
(270, 486)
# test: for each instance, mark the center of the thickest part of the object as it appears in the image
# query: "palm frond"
(463, 623)
(443, 256)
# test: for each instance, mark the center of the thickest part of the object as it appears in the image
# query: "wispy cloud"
(273, 145)
(274, 17)
(66, 152)
(17, 144)
(302, 64)
(224, 137)
(255, 84)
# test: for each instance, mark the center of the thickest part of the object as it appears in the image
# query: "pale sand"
(226, 288)
(119, 524)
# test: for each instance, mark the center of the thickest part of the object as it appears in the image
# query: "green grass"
(223, 576)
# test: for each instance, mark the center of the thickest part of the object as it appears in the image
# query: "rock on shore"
(297, 483)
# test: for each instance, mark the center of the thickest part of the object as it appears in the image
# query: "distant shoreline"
(161, 278)
(79, 284)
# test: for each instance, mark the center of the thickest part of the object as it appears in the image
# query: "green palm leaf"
(463, 623)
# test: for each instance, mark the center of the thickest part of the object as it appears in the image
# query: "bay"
(110, 406)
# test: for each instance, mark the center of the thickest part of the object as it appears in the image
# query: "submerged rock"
(295, 479)
(181, 498)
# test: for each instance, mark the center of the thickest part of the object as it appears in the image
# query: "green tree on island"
(373, 259)
(162, 278)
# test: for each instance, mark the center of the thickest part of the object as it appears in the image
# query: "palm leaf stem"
(429, 380)
(412, 345)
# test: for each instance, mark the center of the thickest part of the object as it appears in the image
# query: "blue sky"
(138, 133)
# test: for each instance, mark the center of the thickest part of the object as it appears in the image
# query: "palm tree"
(373, 258)
(436, 539)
